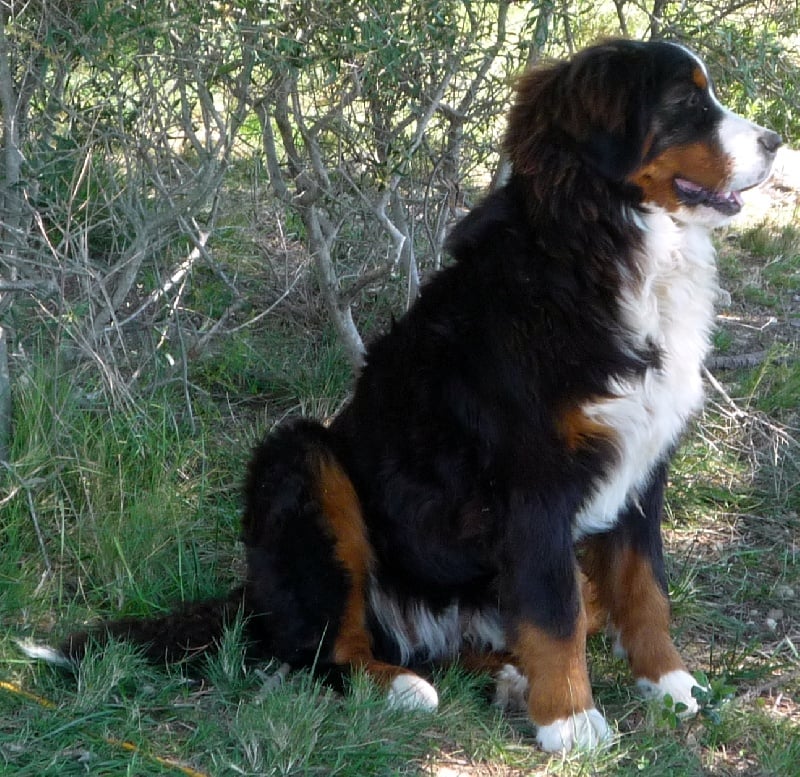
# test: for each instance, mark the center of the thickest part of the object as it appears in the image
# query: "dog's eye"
(694, 100)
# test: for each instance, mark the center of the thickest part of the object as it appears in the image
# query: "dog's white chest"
(673, 308)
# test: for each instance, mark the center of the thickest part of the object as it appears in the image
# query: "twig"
(269, 310)
(176, 277)
(718, 387)
(321, 237)
(40, 288)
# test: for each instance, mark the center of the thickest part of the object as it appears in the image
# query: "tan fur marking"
(639, 610)
(596, 612)
(699, 78)
(556, 672)
(579, 430)
(342, 508)
(697, 162)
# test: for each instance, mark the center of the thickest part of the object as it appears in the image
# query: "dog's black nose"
(771, 141)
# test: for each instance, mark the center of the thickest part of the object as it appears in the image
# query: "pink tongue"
(688, 185)
(691, 187)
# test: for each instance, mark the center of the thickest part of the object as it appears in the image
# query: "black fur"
(188, 631)
(295, 589)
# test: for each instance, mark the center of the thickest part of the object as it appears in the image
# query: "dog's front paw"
(583, 730)
(410, 692)
(677, 684)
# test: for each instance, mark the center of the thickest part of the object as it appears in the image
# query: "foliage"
(375, 123)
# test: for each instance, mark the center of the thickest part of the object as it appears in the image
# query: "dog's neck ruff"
(670, 306)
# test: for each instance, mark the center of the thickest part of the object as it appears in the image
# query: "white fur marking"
(750, 161)
(678, 684)
(410, 692)
(422, 635)
(584, 730)
(511, 690)
(673, 308)
(617, 648)
(416, 631)
(44, 653)
(483, 631)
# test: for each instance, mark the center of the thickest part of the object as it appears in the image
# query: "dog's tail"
(184, 633)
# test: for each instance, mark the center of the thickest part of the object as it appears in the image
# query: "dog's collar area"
(692, 194)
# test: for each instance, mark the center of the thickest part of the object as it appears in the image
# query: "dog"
(493, 490)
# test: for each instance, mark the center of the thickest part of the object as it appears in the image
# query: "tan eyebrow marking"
(700, 79)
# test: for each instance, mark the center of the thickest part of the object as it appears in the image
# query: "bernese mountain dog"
(493, 490)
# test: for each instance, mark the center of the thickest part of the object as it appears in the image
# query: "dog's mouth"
(692, 194)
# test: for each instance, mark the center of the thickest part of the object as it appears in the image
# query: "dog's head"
(642, 115)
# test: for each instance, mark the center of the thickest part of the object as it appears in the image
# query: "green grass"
(775, 385)
(136, 500)
(775, 243)
(771, 274)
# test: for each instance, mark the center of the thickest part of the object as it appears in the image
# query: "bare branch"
(329, 284)
(41, 289)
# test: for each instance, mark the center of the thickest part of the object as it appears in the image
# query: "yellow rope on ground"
(173, 764)
(14, 688)
(118, 743)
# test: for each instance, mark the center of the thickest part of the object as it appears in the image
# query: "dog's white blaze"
(672, 307)
(749, 160)
(739, 139)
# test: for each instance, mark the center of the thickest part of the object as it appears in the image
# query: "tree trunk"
(12, 218)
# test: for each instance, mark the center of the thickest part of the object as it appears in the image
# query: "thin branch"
(736, 411)
(621, 18)
(43, 289)
(276, 177)
(177, 276)
(398, 238)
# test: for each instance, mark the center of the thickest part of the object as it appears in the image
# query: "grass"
(129, 506)
(769, 276)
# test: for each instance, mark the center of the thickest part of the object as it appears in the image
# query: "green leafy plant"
(712, 696)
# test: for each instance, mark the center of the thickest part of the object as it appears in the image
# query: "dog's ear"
(596, 105)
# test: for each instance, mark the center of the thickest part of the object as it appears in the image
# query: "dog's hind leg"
(510, 692)
(310, 560)
(352, 646)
